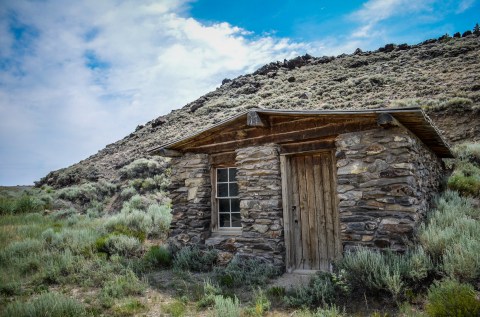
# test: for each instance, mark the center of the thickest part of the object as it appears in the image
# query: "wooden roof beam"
(166, 152)
(255, 120)
(386, 121)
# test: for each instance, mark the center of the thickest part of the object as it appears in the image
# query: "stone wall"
(260, 190)
(190, 191)
(386, 180)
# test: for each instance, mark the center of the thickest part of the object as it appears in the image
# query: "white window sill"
(221, 233)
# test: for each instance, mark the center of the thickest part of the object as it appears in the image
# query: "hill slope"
(441, 75)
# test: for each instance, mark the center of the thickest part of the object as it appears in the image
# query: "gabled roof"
(283, 126)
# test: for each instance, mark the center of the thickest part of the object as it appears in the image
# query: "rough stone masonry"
(386, 180)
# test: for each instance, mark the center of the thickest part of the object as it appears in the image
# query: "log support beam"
(386, 121)
(255, 120)
(167, 152)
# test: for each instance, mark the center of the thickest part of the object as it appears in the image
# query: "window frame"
(215, 224)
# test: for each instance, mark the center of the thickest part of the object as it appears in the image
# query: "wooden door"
(310, 211)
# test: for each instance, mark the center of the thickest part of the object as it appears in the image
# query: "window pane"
(235, 205)
(222, 175)
(236, 220)
(224, 220)
(233, 189)
(222, 190)
(232, 174)
(224, 205)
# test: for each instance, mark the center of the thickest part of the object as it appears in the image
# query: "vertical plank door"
(312, 219)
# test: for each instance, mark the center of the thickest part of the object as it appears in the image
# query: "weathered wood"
(226, 159)
(167, 152)
(213, 200)
(287, 212)
(386, 121)
(413, 119)
(303, 212)
(327, 196)
(335, 211)
(321, 223)
(304, 135)
(315, 241)
(247, 133)
(315, 145)
(297, 232)
(311, 211)
(255, 120)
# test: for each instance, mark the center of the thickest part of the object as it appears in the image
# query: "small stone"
(260, 228)
(355, 167)
(367, 238)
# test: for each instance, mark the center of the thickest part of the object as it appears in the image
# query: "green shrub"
(24, 204)
(136, 224)
(20, 250)
(10, 288)
(320, 290)
(245, 271)
(119, 244)
(158, 257)
(468, 152)
(226, 307)
(175, 309)
(137, 202)
(142, 168)
(330, 311)
(7, 206)
(161, 218)
(59, 267)
(88, 192)
(129, 308)
(373, 271)
(462, 260)
(27, 203)
(261, 304)
(162, 180)
(466, 184)
(194, 259)
(124, 285)
(79, 241)
(456, 104)
(210, 290)
(47, 304)
(128, 192)
(149, 184)
(451, 298)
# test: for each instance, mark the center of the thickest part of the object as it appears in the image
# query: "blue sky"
(78, 75)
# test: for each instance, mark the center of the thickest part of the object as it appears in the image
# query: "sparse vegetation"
(451, 298)
(194, 259)
(95, 250)
(47, 304)
(245, 271)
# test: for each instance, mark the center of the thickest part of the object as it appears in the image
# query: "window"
(228, 204)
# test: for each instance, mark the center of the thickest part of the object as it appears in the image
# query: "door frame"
(287, 207)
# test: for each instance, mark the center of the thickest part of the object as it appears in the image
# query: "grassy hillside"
(440, 75)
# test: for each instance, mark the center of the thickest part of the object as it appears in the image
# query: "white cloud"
(92, 70)
(373, 12)
(464, 5)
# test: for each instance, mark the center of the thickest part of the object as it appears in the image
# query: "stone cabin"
(297, 188)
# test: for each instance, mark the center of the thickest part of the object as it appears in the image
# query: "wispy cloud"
(375, 11)
(77, 75)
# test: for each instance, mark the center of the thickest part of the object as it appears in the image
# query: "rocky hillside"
(441, 75)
